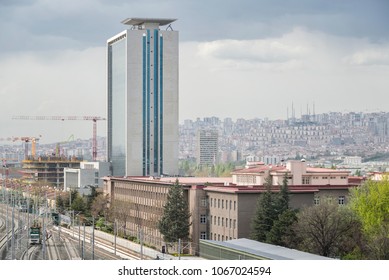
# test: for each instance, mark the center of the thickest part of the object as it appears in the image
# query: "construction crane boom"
(69, 118)
(25, 139)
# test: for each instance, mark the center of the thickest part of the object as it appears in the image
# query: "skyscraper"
(207, 147)
(142, 65)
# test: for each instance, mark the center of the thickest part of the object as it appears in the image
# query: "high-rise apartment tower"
(142, 65)
(207, 147)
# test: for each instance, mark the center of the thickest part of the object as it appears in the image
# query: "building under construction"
(47, 170)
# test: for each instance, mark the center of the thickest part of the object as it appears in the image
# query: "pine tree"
(282, 232)
(283, 196)
(265, 214)
(285, 217)
(273, 220)
(174, 224)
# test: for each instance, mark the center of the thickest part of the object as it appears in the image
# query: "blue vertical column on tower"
(144, 90)
(148, 104)
(156, 96)
(161, 104)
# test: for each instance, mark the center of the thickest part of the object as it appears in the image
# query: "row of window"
(341, 200)
(326, 177)
(218, 237)
(307, 180)
(221, 221)
(220, 203)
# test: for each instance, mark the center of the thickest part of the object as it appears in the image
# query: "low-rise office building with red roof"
(222, 208)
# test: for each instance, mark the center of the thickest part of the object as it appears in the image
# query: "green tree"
(99, 206)
(174, 223)
(370, 202)
(282, 202)
(60, 204)
(265, 213)
(90, 198)
(327, 228)
(281, 232)
(79, 204)
(121, 211)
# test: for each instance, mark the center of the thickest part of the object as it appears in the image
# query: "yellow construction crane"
(69, 118)
(26, 140)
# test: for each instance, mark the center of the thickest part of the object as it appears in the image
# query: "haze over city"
(243, 59)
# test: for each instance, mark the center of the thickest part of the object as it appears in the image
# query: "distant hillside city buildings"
(348, 138)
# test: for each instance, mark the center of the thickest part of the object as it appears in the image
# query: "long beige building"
(221, 208)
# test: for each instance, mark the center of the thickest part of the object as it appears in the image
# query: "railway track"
(63, 243)
(103, 249)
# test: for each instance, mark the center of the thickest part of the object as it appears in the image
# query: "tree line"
(357, 230)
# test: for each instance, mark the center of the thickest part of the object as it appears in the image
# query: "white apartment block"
(207, 147)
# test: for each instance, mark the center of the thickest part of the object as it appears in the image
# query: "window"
(218, 221)
(234, 205)
(203, 202)
(203, 219)
(316, 200)
(218, 203)
(341, 200)
(222, 203)
(324, 177)
(230, 204)
(306, 180)
(203, 235)
(234, 223)
(222, 222)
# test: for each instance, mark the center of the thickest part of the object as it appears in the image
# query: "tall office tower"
(143, 99)
(207, 147)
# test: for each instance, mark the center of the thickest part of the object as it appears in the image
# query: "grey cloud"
(264, 51)
(89, 23)
(377, 56)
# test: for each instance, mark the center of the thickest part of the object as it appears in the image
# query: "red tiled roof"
(182, 180)
(261, 188)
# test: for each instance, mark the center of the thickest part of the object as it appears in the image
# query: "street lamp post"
(83, 245)
(115, 233)
(93, 238)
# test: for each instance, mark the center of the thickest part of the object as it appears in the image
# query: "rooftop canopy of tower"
(143, 21)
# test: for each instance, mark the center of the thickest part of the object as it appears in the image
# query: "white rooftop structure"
(143, 21)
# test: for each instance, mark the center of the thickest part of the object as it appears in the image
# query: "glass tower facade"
(143, 99)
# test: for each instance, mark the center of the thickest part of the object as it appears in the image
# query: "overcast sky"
(248, 58)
